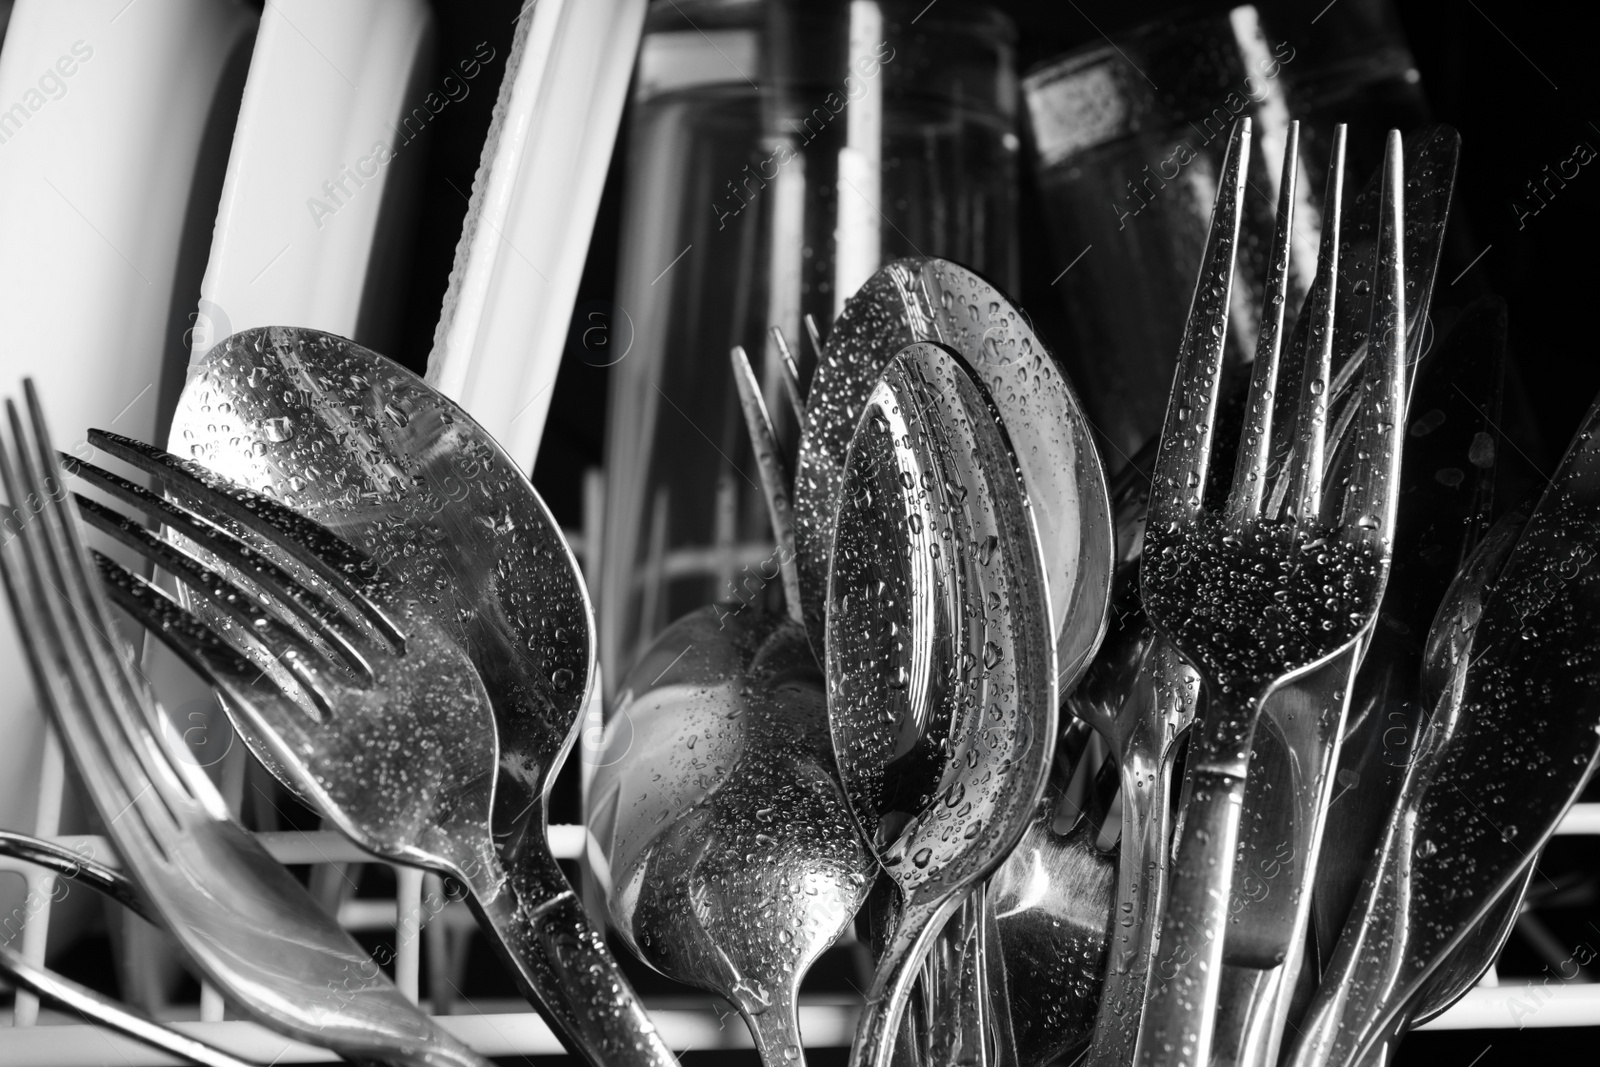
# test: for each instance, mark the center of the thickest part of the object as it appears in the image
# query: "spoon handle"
(776, 1033)
(898, 967)
(562, 965)
(1179, 1011)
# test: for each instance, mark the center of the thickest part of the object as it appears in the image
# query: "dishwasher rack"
(503, 1028)
(506, 1028)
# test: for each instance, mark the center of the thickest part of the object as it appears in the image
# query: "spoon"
(719, 829)
(930, 299)
(1508, 748)
(940, 655)
(1051, 903)
(925, 299)
(364, 447)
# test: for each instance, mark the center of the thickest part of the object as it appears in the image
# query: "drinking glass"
(778, 153)
(1128, 137)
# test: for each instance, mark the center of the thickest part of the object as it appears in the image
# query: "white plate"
(104, 107)
(339, 93)
(504, 324)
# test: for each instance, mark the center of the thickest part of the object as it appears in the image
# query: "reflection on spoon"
(717, 822)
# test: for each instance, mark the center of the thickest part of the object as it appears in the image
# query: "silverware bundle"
(400, 634)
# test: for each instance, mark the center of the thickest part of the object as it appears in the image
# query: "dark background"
(1519, 80)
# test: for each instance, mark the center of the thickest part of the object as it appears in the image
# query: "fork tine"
(280, 642)
(239, 603)
(1255, 451)
(774, 476)
(342, 567)
(813, 335)
(1310, 432)
(220, 661)
(317, 614)
(154, 608)
(1184, 452)
(789, 372)
(115, 726)
(1372, 497)
(53, 666)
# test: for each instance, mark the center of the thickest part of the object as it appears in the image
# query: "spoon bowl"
(719, 829)
(921, 299)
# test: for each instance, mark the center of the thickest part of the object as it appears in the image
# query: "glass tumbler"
(1128, 139)
(778, 153)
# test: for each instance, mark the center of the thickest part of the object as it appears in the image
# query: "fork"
(102, 1010)
(1260, 593)
(247, 923)
(96, 1007)
(393, 740)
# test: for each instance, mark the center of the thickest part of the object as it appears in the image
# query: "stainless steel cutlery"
(1511, 741)
(356, 442)
(247, 924)
(1341, 709)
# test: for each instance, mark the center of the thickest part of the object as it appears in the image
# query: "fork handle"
(1180, 1004)
(562, 965)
